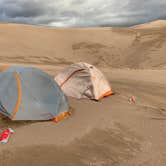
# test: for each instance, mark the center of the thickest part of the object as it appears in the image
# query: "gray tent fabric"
(27, 93)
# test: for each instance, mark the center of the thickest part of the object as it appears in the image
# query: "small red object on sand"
(132, 99)
(4, 137)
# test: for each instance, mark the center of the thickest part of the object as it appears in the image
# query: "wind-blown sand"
(112, 132)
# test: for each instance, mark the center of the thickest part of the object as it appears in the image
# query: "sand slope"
(142, 47)
(152, 25)
(112, 132)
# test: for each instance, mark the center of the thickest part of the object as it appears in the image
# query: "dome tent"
(27, 93)
(82, 80)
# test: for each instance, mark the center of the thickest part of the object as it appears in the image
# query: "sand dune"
(110, 132)
(152, 25)
(105, 47)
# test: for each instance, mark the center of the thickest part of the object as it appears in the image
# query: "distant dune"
(154, 24)
(142, 46)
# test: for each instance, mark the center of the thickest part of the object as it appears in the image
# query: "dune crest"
(153, 24)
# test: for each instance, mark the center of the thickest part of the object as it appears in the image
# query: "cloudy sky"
(82, 13)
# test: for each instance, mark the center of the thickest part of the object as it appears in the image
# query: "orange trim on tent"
(108, 93)
(5, 67)
(19, 95)
(62, 84)
(61, 116)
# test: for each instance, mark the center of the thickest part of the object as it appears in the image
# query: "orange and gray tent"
(27, 93)
(82, 80)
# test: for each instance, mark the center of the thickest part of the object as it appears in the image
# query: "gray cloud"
(82, 13)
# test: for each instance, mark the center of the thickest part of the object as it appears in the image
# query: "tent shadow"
(5, 122)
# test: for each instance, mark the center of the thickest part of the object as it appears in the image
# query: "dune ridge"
(153, 24)
(141, 47)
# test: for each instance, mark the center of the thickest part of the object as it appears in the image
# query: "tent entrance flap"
(72, 74)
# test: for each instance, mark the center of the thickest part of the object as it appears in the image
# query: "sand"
(111, 132)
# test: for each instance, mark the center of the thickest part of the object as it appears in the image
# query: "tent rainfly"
(82, 80)
(27, 93)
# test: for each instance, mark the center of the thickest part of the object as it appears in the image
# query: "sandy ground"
(112, 132)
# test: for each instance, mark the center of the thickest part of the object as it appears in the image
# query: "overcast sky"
(82, 13)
